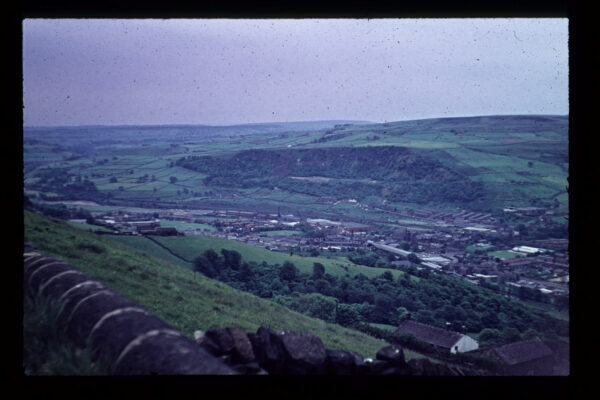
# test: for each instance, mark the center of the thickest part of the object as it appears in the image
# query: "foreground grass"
(186, 300)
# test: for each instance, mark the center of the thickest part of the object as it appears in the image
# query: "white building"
(527, 249)
(455, 342)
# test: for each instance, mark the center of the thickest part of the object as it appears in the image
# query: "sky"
(235, 71)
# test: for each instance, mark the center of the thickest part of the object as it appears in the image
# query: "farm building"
(455, 342)
(527, 357)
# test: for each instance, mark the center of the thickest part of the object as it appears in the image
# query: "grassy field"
(141, 243)
(182, 225)
(89, 227)
(187, 300)
(503, 254)
(282, 233)
(386, 327)
(190, 247)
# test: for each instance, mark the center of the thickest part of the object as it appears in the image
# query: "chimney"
(448, 325)
(464, 329)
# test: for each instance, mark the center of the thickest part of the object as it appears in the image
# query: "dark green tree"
(424, 316)
(205, 267)
(211, 255)
(318, 271)
(489, 338)
(347, 314)
(387, 275)
(232, 259)
(510, 335)
(288, 271)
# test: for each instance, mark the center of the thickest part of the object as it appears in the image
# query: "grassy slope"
(190, 247)
(186, 300)
(141, 243)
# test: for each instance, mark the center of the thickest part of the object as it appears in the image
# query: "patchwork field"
(515, 160)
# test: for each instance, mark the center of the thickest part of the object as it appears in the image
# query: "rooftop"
(430, 334)
(519, 352)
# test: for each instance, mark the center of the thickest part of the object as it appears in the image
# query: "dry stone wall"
(125, 336)
(133, 341)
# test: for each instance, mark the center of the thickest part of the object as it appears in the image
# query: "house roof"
(430, 334)
(519, 352)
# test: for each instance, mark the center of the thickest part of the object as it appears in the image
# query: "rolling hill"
(479, 163)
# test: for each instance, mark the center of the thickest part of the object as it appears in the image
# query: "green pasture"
(88, 227)
(390, 328)
(182, 225)
(282, 233)
(190, 247)
(141, 243)
(504, 254)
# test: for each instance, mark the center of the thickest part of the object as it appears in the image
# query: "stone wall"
(125, 336)
(133, 341)
(279, 352)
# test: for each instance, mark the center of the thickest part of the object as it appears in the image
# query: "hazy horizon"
(290, 122)
(220, 72)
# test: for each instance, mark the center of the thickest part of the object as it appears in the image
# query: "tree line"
(358, 301)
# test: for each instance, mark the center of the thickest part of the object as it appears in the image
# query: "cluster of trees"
(58, 211)
(329, 136)
(351, 301)
(68, 185)
(461, 191)
(146, 178)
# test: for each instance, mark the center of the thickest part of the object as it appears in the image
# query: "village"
(468, 245)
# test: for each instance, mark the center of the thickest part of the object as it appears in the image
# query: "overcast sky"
(178, 71)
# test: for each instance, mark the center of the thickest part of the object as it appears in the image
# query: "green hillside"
(184, 299)
(388, 172)
(478, 163)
